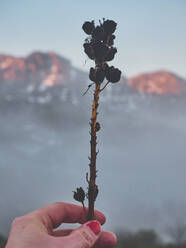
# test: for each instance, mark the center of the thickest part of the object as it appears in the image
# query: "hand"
(36, 229)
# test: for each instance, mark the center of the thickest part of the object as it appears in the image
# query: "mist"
(44, 151)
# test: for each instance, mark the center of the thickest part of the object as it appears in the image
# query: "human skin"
(37, 229)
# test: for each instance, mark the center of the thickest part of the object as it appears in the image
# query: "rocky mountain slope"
(158, 83)
(49, 69)
(49, 79)
(46, 68)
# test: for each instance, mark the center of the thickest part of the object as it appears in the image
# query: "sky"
(150, 35)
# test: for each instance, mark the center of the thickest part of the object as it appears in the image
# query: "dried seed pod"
(88, 50)
(79, 194)
(112, 74)
(109, 26)
(88, 27)
(100, 50)
(110, 55)
(96, 75)
(98, 34)
(92, 74)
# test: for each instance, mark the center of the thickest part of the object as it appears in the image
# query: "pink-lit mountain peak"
(47, 68)
(158, 83)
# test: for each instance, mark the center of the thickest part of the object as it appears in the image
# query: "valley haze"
(44, 142)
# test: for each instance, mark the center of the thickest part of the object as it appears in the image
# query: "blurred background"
(44, 131)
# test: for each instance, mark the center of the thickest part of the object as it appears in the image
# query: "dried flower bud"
(96, 75)
(98, 34)
(100, 50)
(109, 26)
(88, 27)
(113, 75)
(88, 50)
(79, 195)
(110, 55)
(98, 127)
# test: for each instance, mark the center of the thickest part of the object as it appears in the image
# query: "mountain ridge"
(158, 82)
(50, 69)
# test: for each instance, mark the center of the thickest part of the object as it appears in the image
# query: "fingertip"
(84, 236)
(111, 238)
(95, 226)
(107, 239)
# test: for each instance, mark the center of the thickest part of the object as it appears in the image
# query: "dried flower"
(96, 75)
(100, 50)
(88, 27)
(88, 50)
(79, 195)
(98, 34)
(109, 26)
(111, 53)
(113, 74)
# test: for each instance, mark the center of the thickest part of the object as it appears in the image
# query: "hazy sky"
(150, 36)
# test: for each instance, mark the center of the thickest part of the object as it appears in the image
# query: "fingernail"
(94, 226)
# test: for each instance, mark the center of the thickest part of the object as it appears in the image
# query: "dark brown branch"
(93, 188)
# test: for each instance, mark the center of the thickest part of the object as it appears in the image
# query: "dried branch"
(98, 47)
(93, 188)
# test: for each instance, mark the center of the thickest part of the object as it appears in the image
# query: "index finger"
(61, 212)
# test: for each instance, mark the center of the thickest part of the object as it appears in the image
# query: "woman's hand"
(36, 229)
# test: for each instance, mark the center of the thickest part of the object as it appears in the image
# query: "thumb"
(84, 236)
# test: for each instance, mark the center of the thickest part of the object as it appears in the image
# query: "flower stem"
(93, 188)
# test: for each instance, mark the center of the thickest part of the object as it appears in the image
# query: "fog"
(44, 152)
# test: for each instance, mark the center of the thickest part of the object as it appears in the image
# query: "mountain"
(45, 68)
(39, 77)
(48, 79)
(158, 83)
(49, 69)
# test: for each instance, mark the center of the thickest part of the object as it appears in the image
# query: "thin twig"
(104, 86)
(88, 88)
